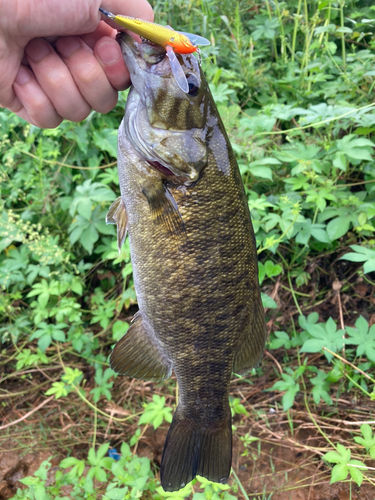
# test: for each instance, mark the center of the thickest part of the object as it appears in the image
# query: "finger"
(108, 53)
(32, 103)
(103, 29)
(87, 72)
(56, 81)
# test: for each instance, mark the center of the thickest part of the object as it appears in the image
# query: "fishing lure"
(173, 41)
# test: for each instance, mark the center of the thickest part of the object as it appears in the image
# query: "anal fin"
(138, 353)
(117, 215)
(252, 344)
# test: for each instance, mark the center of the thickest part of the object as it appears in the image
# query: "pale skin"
(59, 60)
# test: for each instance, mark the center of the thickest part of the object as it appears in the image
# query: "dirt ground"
(282, 465)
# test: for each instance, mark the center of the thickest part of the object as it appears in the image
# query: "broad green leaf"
(117, 493)
(263, 172)
(40, 492)
(356, 472)
(106, 140)
(337, 227)
(267, 301)
(339, 473)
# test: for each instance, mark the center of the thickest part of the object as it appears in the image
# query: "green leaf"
(44, 342)
(272, 269)
(102, 451)
(59, 335)
(363, 337)
(337, 227)
(237, 408)
(69, 462)
(155, 412)
(117, 493)
(339, 473)
(267, 301)
(40, 492)
(100, 474)
(89, 236)
(59, 389)
(369, 266)
(362, 254)
(84, 208)
(356, 472)
(354, 257)
(106, 140)
(263, 172)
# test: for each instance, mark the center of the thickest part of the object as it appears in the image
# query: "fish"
(194, 258)
(165, 36)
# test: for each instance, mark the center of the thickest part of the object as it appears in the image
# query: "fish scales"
(194, 261)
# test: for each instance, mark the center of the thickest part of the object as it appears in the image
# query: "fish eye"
(193, 83)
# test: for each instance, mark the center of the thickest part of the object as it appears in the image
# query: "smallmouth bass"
(194, 259)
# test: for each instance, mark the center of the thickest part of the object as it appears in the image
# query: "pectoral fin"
(164, 209)
(117, 215)
(251, 346)
(138, 354)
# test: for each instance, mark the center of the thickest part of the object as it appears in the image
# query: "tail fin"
(194, 447)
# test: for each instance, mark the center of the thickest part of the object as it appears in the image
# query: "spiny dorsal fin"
(164, 209)
(139, 354)
(117, 215)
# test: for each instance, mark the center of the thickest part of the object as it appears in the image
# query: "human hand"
(58, 60)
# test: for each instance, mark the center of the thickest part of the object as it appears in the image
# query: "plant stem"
(95, 427)
(296, 23)
(240, 485)
(342, 3)
(283, 45)
(293, 295)
(270, 18)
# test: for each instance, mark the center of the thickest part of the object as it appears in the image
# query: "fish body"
(194, 259)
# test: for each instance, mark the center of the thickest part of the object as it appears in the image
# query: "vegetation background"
(295, 83)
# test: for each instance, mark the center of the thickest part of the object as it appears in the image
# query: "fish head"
(168, 127)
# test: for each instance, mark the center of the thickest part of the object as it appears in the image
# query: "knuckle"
(106, 105)
(79, 115)
(88, 74)
(58, 81)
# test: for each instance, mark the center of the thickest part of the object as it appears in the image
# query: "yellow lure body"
(156, 33)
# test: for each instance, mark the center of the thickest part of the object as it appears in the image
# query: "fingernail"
(108, 52)
(66, 46)
(23, 76)
(36, 50)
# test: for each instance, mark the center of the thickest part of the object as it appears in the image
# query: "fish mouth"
(126, 41)
(160, 168)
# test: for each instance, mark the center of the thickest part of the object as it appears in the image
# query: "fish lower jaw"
(160, 168)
